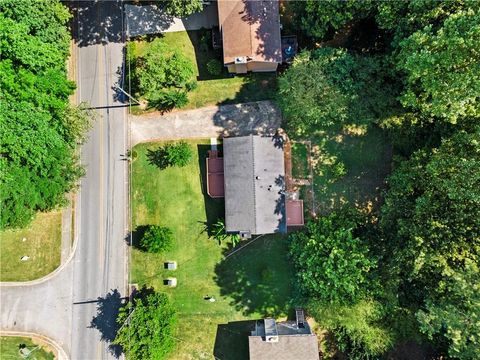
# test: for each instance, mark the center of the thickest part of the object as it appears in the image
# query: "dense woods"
(40, 129)
(408, 271)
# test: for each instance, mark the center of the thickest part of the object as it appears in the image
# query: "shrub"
(168, 99)
(156, 239)
(173, 154)
(214, 67)
(148, 333)
(164, 76)
(357, 329)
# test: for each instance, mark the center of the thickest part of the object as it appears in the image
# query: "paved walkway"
(261, 117)
(150, 19)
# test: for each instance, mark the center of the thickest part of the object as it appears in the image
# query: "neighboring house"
(287, 340)
(253, 180)
(251, 35)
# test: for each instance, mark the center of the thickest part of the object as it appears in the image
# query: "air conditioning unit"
(241, 60)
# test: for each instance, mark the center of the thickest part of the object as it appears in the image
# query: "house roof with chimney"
(250, 28)
(254, 173)
(282, 341)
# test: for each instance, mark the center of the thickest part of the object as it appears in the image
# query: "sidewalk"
(262, 118)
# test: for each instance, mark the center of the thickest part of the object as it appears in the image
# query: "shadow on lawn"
(214, 208)
(258, 279)
(231, 341)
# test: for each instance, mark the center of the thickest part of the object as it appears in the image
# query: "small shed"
(170, 265)
(170, 282)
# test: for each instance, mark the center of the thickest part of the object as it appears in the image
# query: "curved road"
(77, 306)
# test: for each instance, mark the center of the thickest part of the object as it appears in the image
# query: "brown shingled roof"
(250, 28)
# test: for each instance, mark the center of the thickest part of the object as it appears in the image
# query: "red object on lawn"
(215, 180)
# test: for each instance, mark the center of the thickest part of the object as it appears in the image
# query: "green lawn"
(42, 244)
(10, 349)
(350, 168)
(300, 168)
(247, 285)
(211, 90)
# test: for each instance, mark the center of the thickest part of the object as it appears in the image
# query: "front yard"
(212, 89)
(13, 347)
(40, 241)
(252, 283)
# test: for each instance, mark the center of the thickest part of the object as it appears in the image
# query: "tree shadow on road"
(106, 319)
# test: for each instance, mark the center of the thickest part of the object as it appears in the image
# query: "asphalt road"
(77, 306)
(99, 265)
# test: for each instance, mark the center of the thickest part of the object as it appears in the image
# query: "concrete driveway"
(151, 19)
(262, 118)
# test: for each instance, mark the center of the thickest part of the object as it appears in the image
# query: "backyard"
(347, 168)
(246, 285)
(10, 347)
(40, 242)
(211, 89)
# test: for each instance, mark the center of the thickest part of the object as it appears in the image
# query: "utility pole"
(124, 92)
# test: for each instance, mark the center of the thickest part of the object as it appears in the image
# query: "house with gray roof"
(287, 340)
(254, 173)
(251, 178)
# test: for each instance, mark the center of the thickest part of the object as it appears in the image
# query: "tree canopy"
(321, 19)
(441, 68)
(164, 76)
(328, 88)
(432, 207)
(157, 239)
(182, 8)
(454, 312)
(332, 263)
(422, 85)
(146, 326)
(40, 128)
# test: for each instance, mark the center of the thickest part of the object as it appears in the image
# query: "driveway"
(259, 118)
(150, 19)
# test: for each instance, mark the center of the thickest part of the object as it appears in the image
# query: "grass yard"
(211, 90)
(42, 245)
(350, 168)
(254, 282)
(10, 349)
(300, 168)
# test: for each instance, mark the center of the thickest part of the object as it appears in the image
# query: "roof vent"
(300, 315)
(241, 60)
(271, 333)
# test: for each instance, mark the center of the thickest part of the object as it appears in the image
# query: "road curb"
(60, 353)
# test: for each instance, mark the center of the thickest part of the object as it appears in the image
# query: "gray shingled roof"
(254, 172)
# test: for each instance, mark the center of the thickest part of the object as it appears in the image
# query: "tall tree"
(146, 326)
(332, 264)
(441, 68)
(321, 19)
(329, 88)
(164, 76)
(432, 209)
(403, 18)
(453, 313)
(40, 130)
